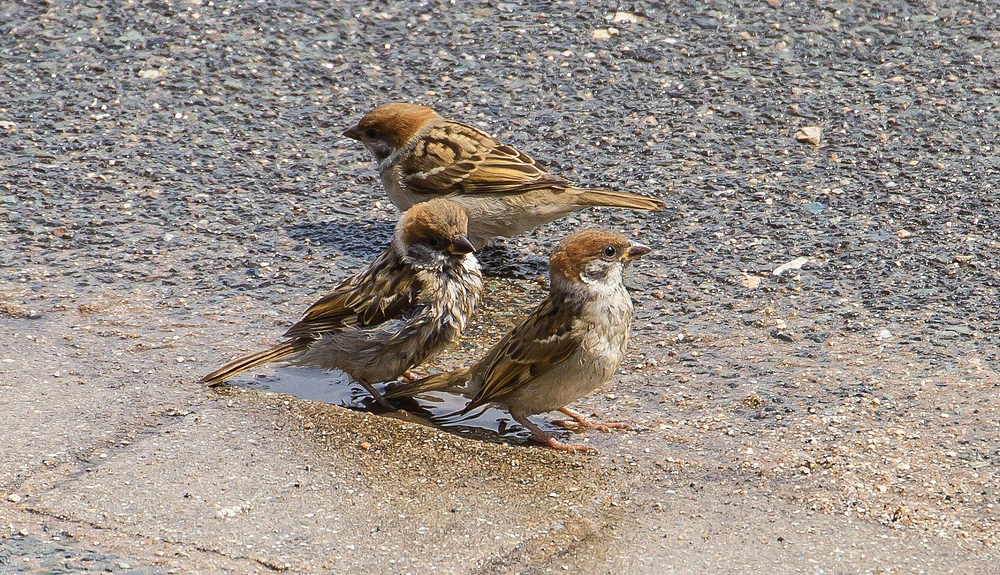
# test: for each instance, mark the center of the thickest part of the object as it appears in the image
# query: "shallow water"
(435, 409)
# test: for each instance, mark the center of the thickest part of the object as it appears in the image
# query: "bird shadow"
(498, 259)
(505, 261)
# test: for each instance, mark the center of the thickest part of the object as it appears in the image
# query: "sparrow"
(568, 346)
(422, 156)
(404, 307)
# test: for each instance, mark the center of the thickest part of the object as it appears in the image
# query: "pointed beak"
(461, 246)
(353, 133)
(636, 251)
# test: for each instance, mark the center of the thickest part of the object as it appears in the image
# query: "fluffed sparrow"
(422, 156)
(405, 307)
(567, 347)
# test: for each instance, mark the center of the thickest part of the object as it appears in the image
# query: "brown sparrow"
(567, 347)
(403, 308)
(422, 156)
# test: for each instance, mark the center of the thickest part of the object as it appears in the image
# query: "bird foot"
(603, 426)
(539, 436)
(550, 441)
(582, 421)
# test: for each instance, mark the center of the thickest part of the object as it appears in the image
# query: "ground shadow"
(369, 240)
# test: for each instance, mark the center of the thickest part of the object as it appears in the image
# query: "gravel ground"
(174, 189)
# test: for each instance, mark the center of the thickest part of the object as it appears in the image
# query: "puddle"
(312, 383)
(435, 409)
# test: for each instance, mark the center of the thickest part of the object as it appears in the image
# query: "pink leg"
(604, 426)
(377, 396)
(539, 436)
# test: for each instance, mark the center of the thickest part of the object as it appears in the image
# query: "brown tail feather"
(252, 360)
(435, 382)
(611, 198)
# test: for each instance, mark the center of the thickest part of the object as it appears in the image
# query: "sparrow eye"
(434, 242)
(371, 133)
(609, 252)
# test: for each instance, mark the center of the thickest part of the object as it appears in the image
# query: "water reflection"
(436, 409)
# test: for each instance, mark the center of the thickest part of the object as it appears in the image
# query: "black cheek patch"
(381, 150)
(596, 272)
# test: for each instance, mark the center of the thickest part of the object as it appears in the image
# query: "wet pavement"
(813, 372)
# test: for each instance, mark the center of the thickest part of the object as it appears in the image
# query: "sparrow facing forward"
(405, 307)
(422, 156)
(567, 347)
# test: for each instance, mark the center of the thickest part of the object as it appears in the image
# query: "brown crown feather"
(396, 121)
(438, 217)
(573, 253)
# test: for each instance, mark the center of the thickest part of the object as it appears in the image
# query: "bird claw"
(539, 436)
(603, 426)
(574, 447)
(582, 421)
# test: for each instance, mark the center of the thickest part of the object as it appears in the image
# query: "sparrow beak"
(353, 133)
(635, 251)
(461, 246)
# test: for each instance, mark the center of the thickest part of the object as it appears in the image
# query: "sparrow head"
(594, 258)
(432, 233)
(389, 127)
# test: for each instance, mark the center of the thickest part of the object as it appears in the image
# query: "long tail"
(435, 382)
(252, 360)
(611, 198)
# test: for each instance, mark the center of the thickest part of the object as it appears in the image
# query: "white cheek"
(603, 285)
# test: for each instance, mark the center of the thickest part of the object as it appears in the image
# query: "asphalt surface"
(174, 190)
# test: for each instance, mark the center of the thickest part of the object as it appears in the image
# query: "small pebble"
(809, 134)
(813, 207)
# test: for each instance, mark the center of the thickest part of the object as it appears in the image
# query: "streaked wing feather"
(541, 341)
(455, 158)
(386, 290)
